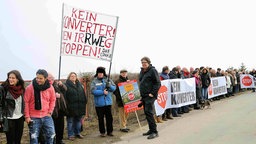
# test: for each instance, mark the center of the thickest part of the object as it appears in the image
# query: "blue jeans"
(204, 93)
(74, 125)
(46, 125)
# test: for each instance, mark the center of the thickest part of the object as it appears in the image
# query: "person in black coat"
(173, 74)
(76, 104)
(60, 109)
(206, 81)
(12, 107)
(149, 86)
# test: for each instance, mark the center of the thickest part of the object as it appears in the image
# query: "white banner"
(247, 81)
(87, 34)
(175, 93)
(217, 87)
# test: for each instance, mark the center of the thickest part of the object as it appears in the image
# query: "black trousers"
(105, 112)
(15, 132)
(166, 113)
(59, 127)
(149, 112)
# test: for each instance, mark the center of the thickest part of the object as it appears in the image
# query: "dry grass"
(91, 132)
(91, 126)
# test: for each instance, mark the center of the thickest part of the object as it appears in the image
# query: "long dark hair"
(18, 76)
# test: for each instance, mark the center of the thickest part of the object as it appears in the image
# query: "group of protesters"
(42, 106)
(202, 77)
(45, 102)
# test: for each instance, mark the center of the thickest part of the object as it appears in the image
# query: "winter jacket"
(2, 93)
(173, 75)
(48, 99)
(206, 80)
(119, 100)
(75, 99)
(97, 89)
(149, 82)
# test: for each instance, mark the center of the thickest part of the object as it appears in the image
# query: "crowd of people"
(46, 102)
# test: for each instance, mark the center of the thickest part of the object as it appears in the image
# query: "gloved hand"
(108, 84)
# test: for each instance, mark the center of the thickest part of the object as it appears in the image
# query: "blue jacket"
(97, 89)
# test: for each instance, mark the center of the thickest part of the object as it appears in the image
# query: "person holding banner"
(198, 82)
(253, 73)
(102, 88)
(164, 76)
(173, 74)
(149, 86)
(122, 114)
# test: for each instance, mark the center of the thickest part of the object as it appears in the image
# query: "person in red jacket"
(40, 100)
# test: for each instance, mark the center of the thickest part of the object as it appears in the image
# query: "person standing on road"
(122, 114)
(164, 76)
(206, 81)
(102, 88)
(149, 86)
(173, 74)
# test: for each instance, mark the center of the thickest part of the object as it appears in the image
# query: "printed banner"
(130, 95)
(87, 34)
(175, 93)
(217, 87)
(247, 81)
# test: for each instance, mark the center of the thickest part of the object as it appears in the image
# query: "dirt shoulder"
(91, 132)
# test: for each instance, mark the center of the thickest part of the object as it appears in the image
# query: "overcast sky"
(215, 33)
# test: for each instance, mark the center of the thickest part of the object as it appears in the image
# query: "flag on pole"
(87, 34)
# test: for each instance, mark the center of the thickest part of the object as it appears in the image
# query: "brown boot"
(158, 119)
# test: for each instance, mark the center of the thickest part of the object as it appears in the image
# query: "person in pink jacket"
(40, 100)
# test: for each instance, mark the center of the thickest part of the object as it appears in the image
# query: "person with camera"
(102, 88)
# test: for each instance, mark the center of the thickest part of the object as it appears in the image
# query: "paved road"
(229, 121)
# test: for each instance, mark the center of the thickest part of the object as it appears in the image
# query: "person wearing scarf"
(13, 106)
(40, 100)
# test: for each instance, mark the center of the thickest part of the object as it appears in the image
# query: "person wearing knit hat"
(102, 88)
